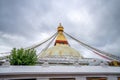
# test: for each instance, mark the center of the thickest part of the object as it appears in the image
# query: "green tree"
(23, 57)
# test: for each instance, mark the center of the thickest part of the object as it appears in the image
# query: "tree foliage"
(23, 57)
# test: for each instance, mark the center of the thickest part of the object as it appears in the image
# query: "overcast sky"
(27, 22)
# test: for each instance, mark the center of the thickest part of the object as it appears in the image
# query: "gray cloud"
(95, 22)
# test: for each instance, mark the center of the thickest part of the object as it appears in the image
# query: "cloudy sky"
(27, 22)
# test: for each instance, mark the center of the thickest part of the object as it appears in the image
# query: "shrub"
(23, 57)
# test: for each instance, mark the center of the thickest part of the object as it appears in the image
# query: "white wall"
(81, 78)
(112, 78)
(42, 78)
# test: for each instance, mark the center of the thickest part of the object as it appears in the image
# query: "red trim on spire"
(61, 42)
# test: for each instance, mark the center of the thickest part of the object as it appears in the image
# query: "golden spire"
(60, 39)
(60, 27)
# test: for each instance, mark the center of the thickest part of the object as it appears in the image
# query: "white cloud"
(30, 22)
(80, 17)
(13, 37)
